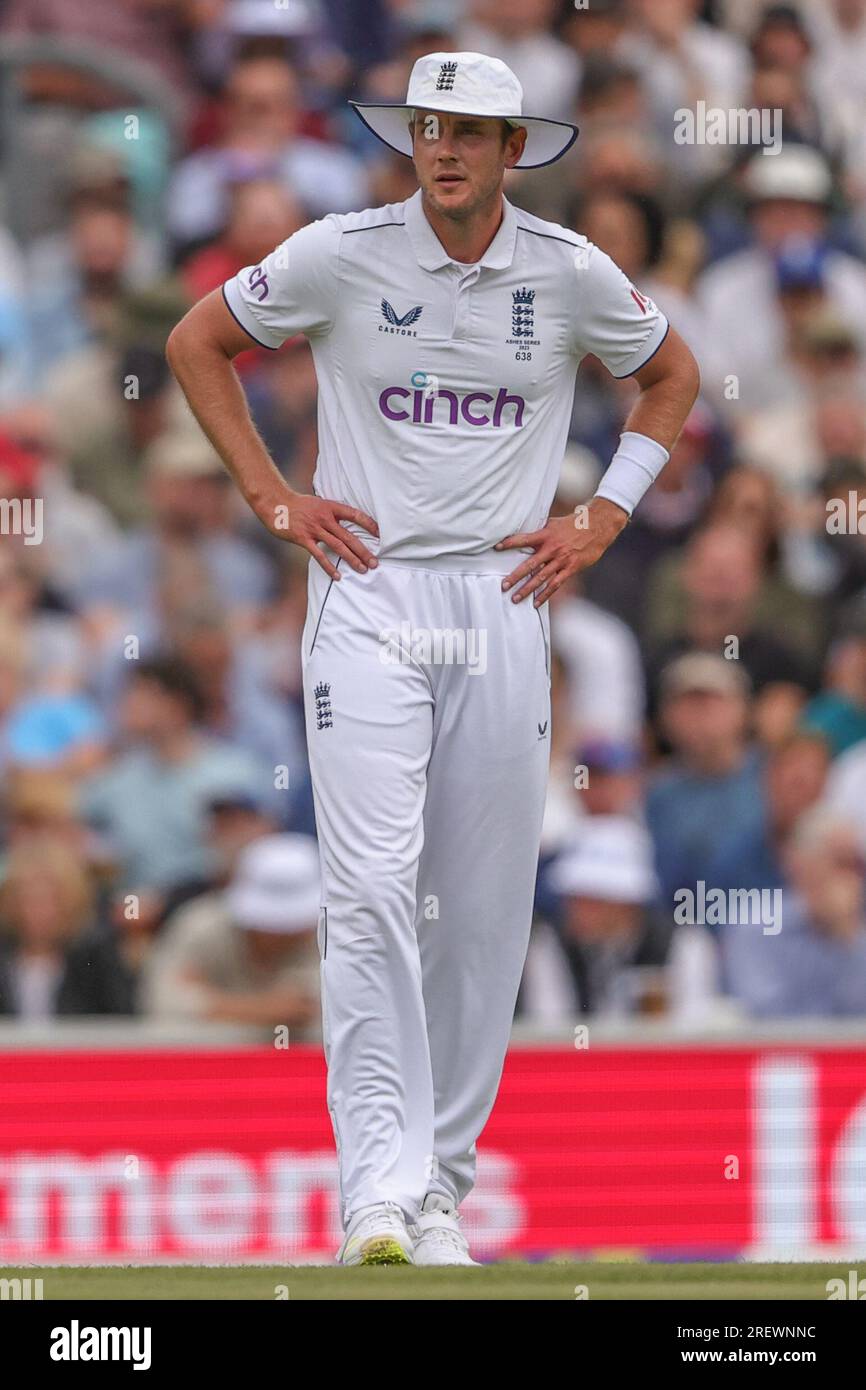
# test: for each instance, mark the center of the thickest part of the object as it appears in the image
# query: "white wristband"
(632, 470)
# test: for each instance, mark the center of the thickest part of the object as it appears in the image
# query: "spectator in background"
(626, 226)
(74, 526)
(151, 801)
(747, 500)
(232, 819)
(683, 60)
(598, 777)
(711, 789)
(789, 196)
(815, 966)
(247, 955)
(721, 582)
(664, 521)
(52, 959)
(39, 807)
(137, 30)
(240, 704)
(839, 533)
(781, 43)
(839, 78)
(602, 666)
(110, 400)
(605, 929)
(793, 781)
(236, 819)
(595, 31)
(188, 554)
(262, 213)
(838, 711)
(79, 279)
(419, 29)
(788, 440)
(58, 728)
(53, 644)
(612, 778)
(612, 99)
(260, 140)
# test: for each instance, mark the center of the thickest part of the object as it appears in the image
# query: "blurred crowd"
(705, 838)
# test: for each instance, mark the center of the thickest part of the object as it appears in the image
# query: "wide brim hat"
(467, 84)
(276, 885)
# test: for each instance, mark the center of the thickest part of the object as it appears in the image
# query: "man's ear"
(515, 144)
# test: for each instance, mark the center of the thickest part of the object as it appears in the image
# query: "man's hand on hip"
(312, 521)
(566, 545)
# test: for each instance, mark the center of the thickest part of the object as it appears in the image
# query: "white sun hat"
(275, 887)
(797, 172)
(467, 84)
(611, 859)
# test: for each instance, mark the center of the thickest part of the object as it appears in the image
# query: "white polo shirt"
(445, 389)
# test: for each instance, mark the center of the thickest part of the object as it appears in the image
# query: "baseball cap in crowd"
(703, 673)
(612, 860)
(609, 755)
(797, 173)
(467, 84)
(800, 263)
(275, 887)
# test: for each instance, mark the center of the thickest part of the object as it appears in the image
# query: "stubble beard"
(464, 212)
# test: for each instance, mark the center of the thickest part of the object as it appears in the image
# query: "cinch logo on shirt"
(470, 408)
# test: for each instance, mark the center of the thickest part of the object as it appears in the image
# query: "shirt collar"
(431, 254)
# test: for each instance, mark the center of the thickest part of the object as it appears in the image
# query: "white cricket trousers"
(427, 696)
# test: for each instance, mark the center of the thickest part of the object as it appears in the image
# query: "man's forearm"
(661, 410)
(669, 385)
(216, 397)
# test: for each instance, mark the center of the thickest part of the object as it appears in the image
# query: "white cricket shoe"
(378, 1236)
(440, 1240)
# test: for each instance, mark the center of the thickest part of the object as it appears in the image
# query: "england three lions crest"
(522, 318)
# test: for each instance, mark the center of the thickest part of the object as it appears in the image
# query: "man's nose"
(445, 144)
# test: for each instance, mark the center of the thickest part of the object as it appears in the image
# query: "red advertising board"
(223, 1155)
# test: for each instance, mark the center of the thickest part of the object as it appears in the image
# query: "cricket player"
(446, 333)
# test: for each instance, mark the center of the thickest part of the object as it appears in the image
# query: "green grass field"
(508, 1280)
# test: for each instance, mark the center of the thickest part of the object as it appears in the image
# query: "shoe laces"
(386, 1218)
(445, 1232)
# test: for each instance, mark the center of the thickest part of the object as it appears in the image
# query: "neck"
(466, 239)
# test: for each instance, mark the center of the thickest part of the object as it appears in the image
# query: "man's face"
(460, 160)
(261, 103)
(777, 219)
(795, 780)
(696, 720)
(147, 710)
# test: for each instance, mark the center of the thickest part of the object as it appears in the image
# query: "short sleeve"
(293, 290)
(613, 320)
